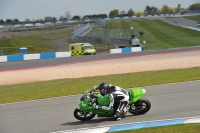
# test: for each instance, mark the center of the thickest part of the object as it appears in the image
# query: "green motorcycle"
(86, 111)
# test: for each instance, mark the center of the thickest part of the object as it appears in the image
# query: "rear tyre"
(78, 114)
(140, 107)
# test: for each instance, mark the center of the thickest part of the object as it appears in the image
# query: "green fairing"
(103, 100)
(86, 107)
(105, 113)
(135, 94)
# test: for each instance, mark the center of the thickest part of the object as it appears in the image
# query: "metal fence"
(16, 50)
(103, 40)
(103, 36)
(100, 22)
(113, 37)
(81, 31)
(113, 33)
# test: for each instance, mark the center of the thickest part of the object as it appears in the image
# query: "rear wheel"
(140, 107)
(78, 114)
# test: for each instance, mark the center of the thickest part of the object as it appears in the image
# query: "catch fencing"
(81, 31)
(101, 22)
(106, 36)
(102, 35)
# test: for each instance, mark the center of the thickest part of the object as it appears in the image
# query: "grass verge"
(39, 42)
(181, 128)
(64, 87)
(158, 34)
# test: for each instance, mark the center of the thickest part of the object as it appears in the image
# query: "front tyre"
(140, 107)
(78, 114)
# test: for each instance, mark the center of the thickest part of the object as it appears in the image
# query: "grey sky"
(35, 9)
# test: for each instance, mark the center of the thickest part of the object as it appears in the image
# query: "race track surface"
(49, 115)
(181, 22)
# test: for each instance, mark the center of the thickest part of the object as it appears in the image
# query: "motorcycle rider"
(116, 93)
(198, 24)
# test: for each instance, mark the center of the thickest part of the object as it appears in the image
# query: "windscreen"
(87, 47)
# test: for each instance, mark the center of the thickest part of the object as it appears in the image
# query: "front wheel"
(140, 107)
(78, 114)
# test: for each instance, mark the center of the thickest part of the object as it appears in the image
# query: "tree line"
(113, 13)
(149, 10)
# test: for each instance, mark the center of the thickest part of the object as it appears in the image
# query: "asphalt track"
(49, 115)
(181, 22)
(9, 66)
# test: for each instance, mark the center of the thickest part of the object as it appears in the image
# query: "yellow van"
(81, 49)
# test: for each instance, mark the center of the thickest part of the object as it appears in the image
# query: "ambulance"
(82, 49)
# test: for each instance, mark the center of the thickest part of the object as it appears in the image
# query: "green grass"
(38, 42)
(195, 18)
(64, 87)
(181, 128)
(158, 34)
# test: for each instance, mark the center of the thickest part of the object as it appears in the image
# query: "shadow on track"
(98, 120)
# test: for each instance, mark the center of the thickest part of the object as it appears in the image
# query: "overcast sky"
(35, 9)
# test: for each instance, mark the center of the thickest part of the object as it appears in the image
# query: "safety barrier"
(22, 57)
(50, 55)
(127, 50)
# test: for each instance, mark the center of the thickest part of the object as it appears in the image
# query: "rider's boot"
(117, 115)
(121, 111)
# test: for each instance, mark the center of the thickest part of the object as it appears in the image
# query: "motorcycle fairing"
(135, 94)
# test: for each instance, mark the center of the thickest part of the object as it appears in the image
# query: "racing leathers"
(119, 94)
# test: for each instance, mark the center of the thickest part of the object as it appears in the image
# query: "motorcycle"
(86, 110)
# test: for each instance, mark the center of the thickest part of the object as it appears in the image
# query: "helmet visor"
(102, 91)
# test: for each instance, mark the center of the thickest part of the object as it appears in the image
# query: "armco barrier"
(126, 50)
(21, 57)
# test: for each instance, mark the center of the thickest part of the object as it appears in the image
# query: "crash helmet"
(103, 88)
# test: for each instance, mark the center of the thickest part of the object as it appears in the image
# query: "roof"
(87, 44)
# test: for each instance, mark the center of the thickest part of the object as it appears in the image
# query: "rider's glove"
(95, 87)
(96, 106)
(94, 96)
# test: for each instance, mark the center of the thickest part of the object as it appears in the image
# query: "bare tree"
(68, 15)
